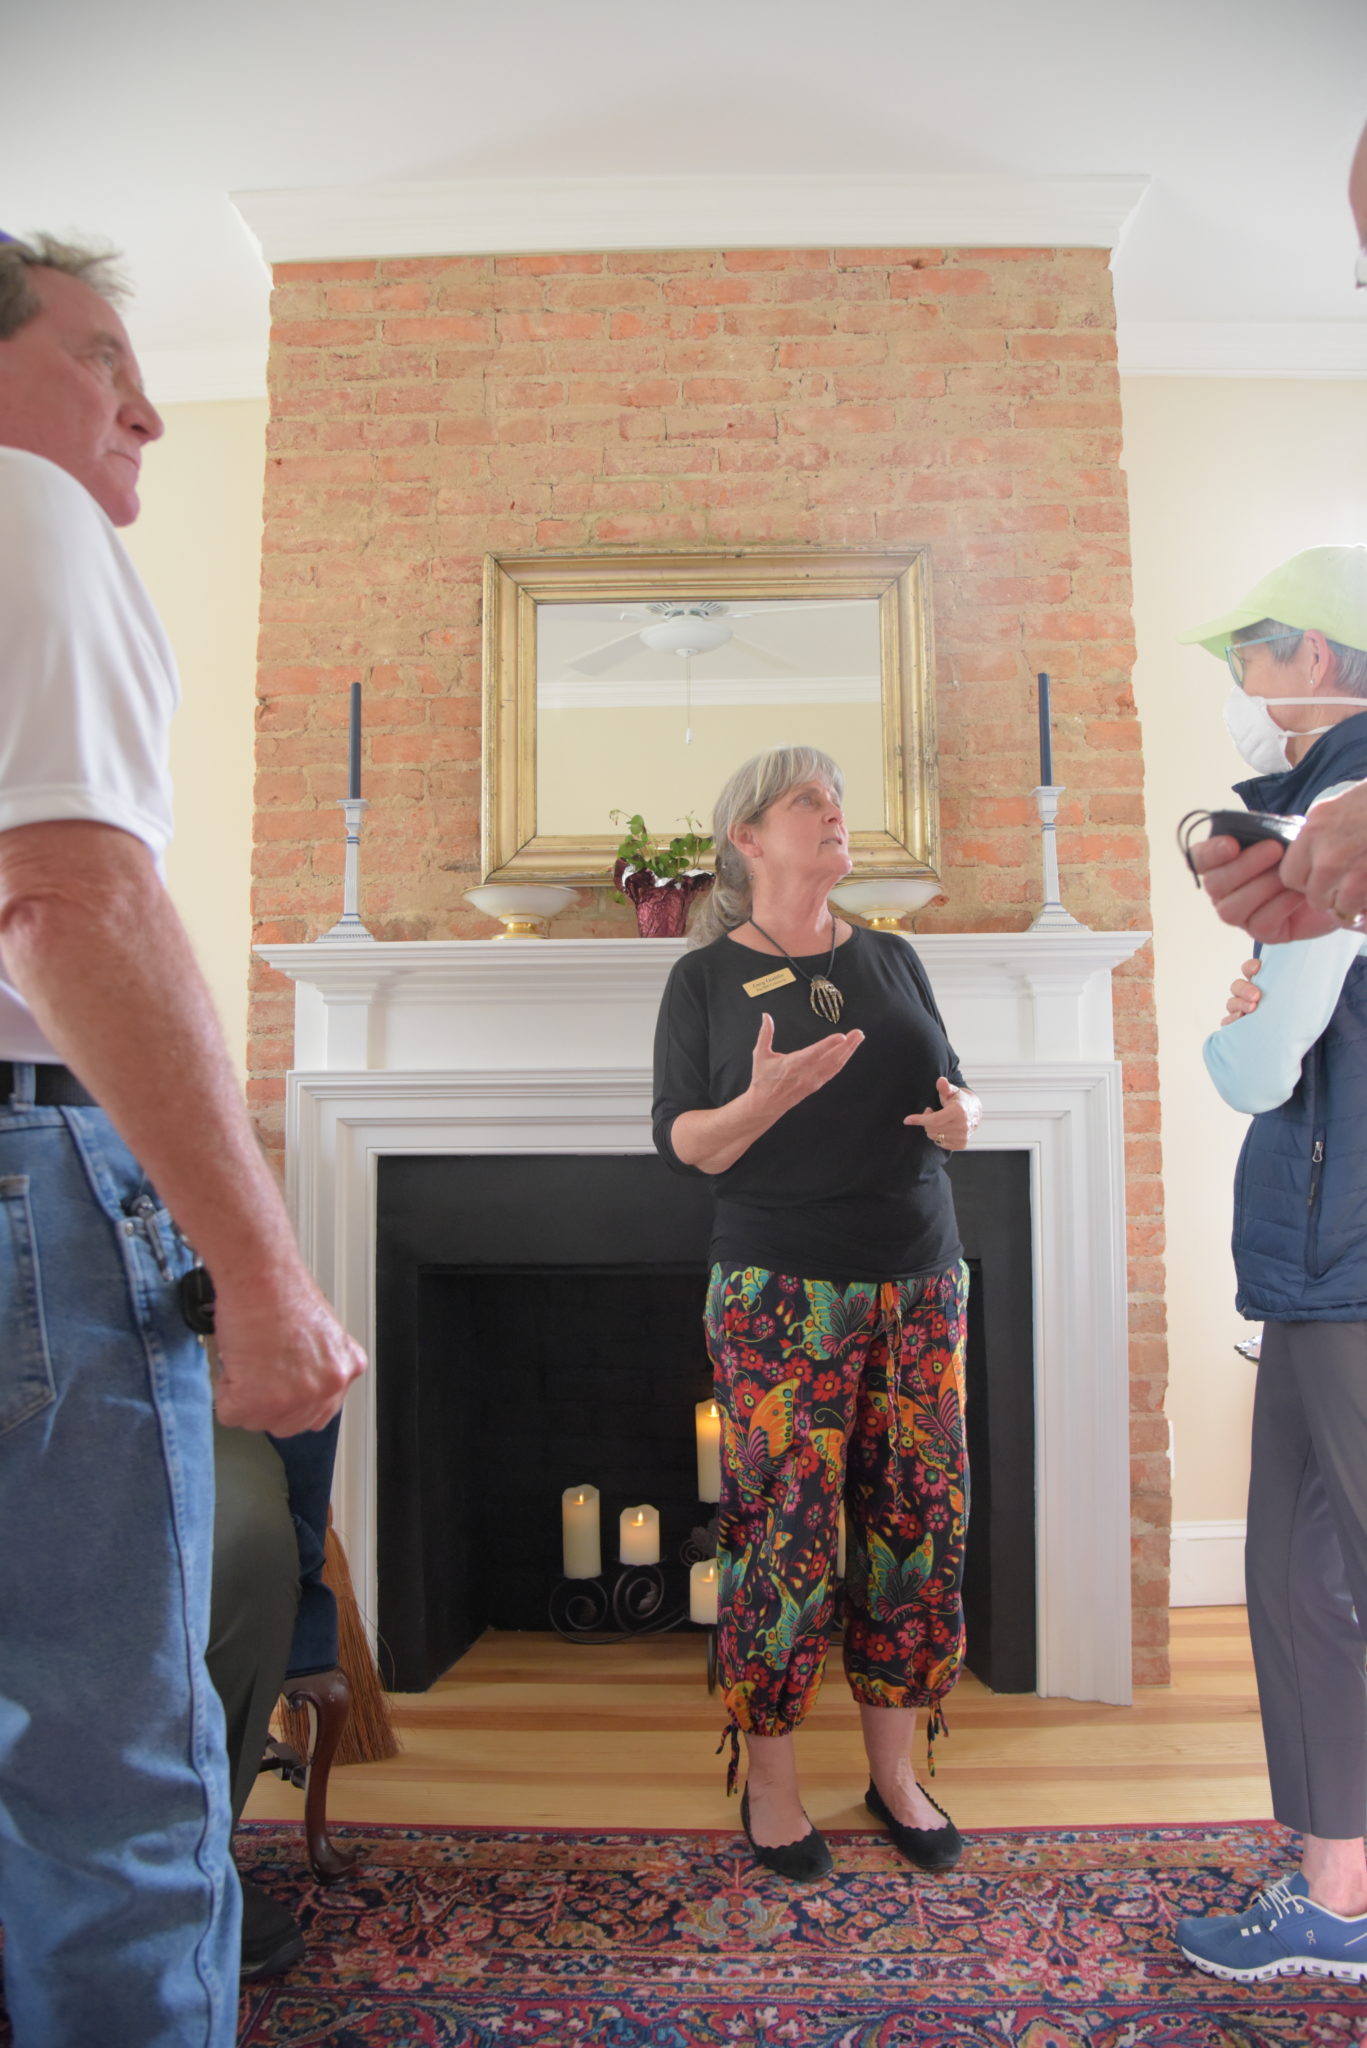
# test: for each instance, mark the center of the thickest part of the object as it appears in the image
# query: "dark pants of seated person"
(255, 1596)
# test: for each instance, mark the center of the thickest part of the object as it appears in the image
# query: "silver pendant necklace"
(825, 998)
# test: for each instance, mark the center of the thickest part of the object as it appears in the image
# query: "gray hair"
(97, 267)
(756, 785)
(1350, 663)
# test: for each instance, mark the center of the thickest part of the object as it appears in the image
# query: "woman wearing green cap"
(1320, 883)
(1297, 651)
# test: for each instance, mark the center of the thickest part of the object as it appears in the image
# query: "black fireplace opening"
(539, 1326)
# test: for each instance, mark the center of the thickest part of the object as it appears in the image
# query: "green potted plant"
(660, 880)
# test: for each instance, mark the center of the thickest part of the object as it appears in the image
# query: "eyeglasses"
(1235, 655)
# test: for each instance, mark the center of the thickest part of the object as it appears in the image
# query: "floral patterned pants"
(827, 1394)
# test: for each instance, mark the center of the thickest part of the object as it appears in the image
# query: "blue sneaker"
(1282, 1934)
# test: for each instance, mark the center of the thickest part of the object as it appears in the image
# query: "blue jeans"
(118, 1896)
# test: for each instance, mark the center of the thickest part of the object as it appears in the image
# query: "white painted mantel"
(541, 1046)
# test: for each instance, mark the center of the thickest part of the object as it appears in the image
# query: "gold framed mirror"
(638, 682)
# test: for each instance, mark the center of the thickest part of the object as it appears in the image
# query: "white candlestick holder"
(1053, 917)
(348, 925)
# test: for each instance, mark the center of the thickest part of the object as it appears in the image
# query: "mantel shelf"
(469, 1003)
(596, 970)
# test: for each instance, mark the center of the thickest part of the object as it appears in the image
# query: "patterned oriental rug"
(1043, 1938)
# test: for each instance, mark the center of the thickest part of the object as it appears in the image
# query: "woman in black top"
(795, 1057)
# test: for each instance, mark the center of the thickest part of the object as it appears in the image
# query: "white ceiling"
(137, 123)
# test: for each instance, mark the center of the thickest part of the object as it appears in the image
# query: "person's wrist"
(266, 1281)
(757, 1106)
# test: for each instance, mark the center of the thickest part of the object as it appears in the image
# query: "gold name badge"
(768, 981)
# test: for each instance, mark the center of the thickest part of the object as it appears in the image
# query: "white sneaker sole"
(1291, 1966)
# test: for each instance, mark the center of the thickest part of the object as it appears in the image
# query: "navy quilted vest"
(1300, 1193)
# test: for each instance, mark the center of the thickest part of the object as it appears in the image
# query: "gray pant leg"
(1306, 1567)
(255, 1595)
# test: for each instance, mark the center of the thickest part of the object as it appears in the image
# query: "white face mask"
(1255, 732)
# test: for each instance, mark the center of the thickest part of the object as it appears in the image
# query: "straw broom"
(368, 1737)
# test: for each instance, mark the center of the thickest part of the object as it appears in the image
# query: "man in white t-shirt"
(117, 1893)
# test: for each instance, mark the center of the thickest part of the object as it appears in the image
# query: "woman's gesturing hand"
(780, 1079)
(954, 1122)
(1244, 998)
(714, 1139)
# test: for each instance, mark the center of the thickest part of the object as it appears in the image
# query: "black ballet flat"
(804, 1861)
(928, 1848)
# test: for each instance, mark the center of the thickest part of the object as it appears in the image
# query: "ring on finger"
(1351, 920)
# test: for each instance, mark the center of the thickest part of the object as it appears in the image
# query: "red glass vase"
(661, 907)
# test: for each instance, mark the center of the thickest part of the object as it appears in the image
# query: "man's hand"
(1244, 998)
(286, 1360)
(1328, 858)
(91, 939)
(778, 1080)
(954, 1122)
(1246, 886)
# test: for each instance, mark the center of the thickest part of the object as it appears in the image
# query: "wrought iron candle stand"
(581, 1609)
(596, 1615)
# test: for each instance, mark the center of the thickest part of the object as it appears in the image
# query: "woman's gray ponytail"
(756, 784)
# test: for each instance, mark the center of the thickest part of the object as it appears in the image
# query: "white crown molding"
(188, 376)
(533, 216)
(1242, 348)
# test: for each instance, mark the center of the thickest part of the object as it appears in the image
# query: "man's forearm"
(109, 974)
(1328, 859)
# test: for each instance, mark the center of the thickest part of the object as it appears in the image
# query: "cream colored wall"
(1227, 478)
(198, 548)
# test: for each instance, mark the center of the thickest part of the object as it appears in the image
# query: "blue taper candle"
(354, 753)
(1046, 745)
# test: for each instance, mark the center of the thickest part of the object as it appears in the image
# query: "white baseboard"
(1207, 1564)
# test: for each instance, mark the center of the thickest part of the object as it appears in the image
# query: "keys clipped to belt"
(197, 1301)
(196, 1293)
(195, 1289)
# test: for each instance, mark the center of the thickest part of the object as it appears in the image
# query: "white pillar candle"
(581, 1546)
(640, 1535)
(702, 1592)
(707, 1422)
(840, 1544)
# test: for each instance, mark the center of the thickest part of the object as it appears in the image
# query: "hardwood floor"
(530, 1731)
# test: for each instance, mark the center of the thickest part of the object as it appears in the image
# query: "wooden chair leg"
(329, 1694)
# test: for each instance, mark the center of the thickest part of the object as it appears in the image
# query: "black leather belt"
(53, 1087)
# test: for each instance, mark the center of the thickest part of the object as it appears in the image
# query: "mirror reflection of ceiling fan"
(688, 626)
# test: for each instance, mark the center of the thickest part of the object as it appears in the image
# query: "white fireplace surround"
(541, 1046)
